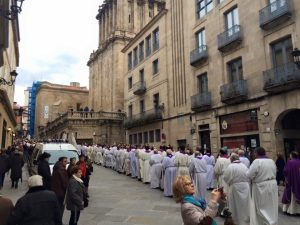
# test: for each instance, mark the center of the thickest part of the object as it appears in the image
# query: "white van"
(56, 150)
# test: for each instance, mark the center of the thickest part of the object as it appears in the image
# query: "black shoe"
(16, 186)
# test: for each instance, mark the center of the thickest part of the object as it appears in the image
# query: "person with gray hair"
(238, 196)
(38, 206)
(243, 159)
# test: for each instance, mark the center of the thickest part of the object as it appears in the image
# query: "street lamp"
(296, 56)
(15, 9)
(13, 75)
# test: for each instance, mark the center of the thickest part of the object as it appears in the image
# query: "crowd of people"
(250, 185)
(49, 193)
(245, 191)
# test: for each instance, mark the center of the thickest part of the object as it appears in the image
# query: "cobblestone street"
(120, 200)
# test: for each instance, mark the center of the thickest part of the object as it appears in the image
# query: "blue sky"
(57, 37)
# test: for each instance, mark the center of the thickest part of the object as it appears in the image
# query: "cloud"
(57, 38)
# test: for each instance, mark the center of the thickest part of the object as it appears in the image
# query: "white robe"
(145, 157)
(264, 202)
(133, 163)
(245, 161)
(220, 167)
(210, 161)
(181, 162)
(170, 172)
(155, 170)
(198, 172)
(292, 208)
(235, 176)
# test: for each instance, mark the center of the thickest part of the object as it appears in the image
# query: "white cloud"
(57, 37)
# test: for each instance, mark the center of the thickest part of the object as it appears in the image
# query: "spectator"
(71, 166)
(194, 211)
(60, 181)
(76, 197)
(4, 166)
(15, 163)
(6, 207)
(280, 163)
(44, 170)
(37, 207)
(86, 169)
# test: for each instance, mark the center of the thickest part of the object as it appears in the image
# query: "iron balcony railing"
(231, 35)
(198, 55)
(234, 92)
(143, 118)
(281, 76)
(201, 101)
(139, 88)
(274, 11)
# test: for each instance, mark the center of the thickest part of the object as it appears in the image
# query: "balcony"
(234, 92)
(139, 88)
(140, 119)
(275, 14)
(282, 78)
(230, 39)
(198, 55)
(201, 101)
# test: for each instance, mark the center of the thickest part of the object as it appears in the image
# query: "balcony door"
(200, 40)
(282, 52)
(202, 83)
(235, 70)
(232, 19)
(276, 5)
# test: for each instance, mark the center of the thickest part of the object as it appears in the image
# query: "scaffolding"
(31, 105)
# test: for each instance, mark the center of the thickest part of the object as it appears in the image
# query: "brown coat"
(6, 206)
(60, 179)
(193, 215)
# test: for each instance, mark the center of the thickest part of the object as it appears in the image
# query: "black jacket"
(36, 207)
(16, 163)
(75, 195)
(44, 171)
(4, 164)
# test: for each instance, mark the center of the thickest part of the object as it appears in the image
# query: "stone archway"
(287, 131)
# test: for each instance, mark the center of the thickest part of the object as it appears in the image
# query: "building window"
(140, 138)
(232, 19)
(148, 45)
(129, 82)
(200, 39)
(202, 83)
(130, 111)
(135, 139)
(130, 61)
(156, 101)
(142, 76)
(155, 67)
(281, 52)
(235, 70)
(155, 37)
(135, 56)
(130, 139)
(151, 136)
(203, 7)
(145, 137)
(157, 135)
(141, 49)
(142, 106)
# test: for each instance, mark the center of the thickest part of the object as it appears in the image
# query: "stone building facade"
(9, 61)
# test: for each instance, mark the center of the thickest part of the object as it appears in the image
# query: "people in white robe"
(139, 163)
(238, 197)
(244, 159)
(182, 162)
(291, 195)
(210, 163)
(145, 157)
(221, 165)
(264, 201)
(170, 171)
(122, 153)
(127, 161)
(155, 169)
(133, 162)
(198, 173)
(163, 153)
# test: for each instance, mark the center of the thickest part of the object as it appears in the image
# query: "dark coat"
(6, 206)
(44, 171)
(4, 163)
(36, 207)
(75, 195)
(16, 163)
(60, 180)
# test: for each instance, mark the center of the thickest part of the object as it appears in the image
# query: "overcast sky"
(57, 37)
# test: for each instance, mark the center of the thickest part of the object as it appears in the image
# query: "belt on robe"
(269, 179)
(200, 172)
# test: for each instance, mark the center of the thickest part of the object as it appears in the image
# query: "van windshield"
(56, 154)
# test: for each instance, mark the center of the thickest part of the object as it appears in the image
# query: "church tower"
(119, 21)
